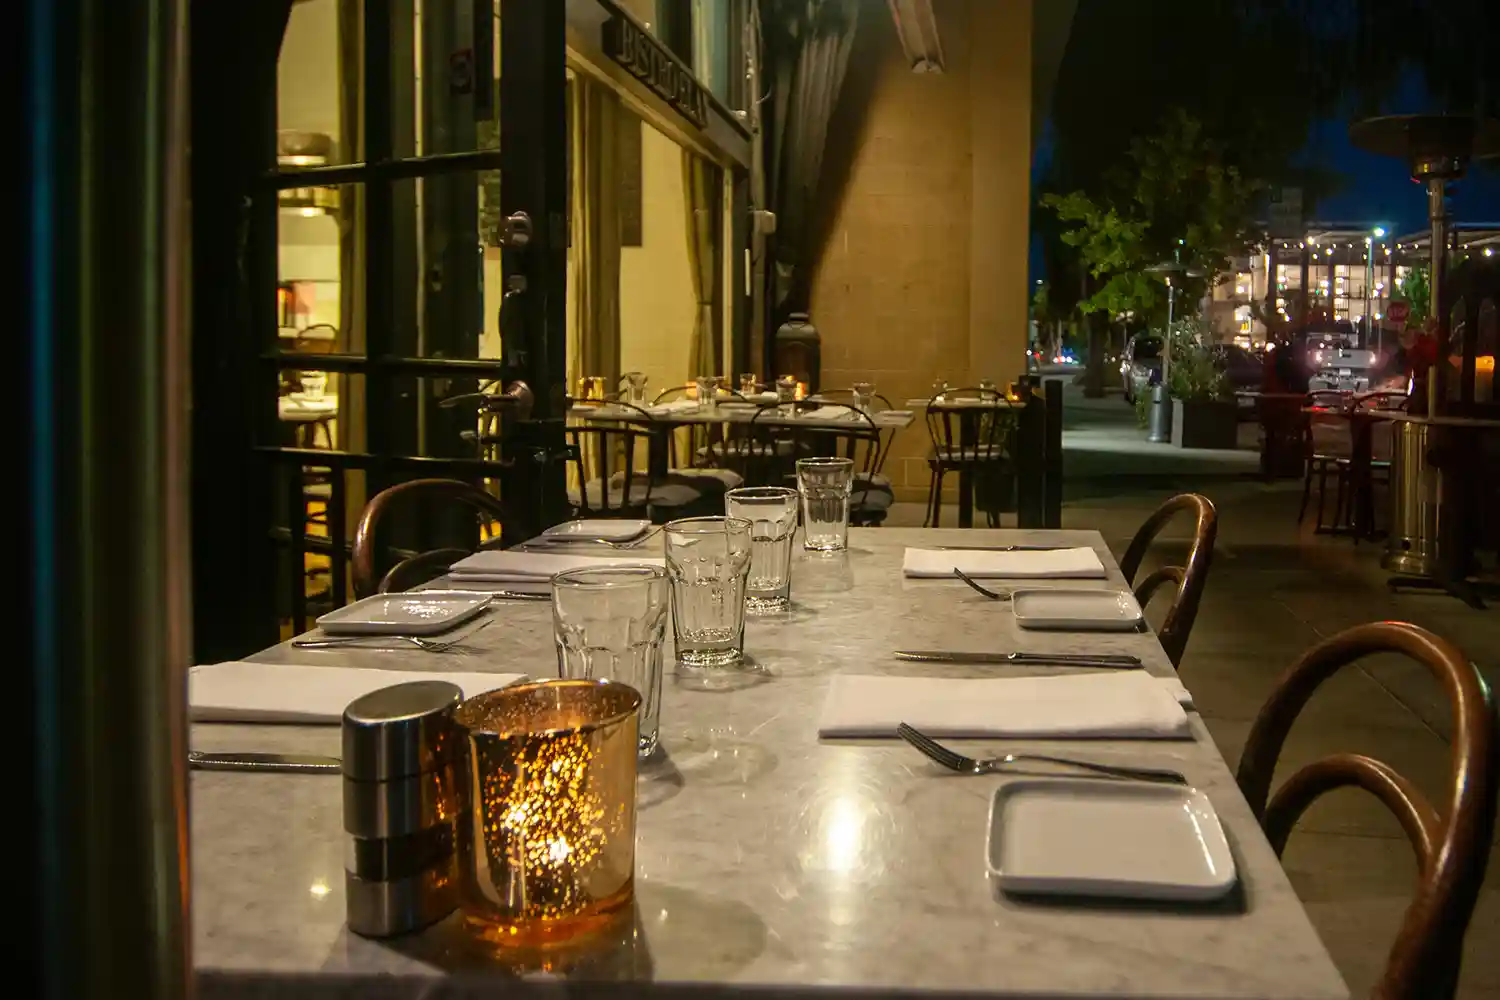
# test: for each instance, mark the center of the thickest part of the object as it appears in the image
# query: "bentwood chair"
(413, 569)
(1452, 843)
(1189, 579)
(610, 475)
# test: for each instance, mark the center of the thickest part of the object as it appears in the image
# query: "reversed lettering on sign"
(650, 62)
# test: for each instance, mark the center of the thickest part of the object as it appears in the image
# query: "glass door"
(410, 278)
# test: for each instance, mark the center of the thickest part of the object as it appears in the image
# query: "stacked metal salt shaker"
(402, 807)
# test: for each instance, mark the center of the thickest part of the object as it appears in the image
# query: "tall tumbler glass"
(825, 485)
(772, 513)
(708, 390)
(708, 560)
(609, 623)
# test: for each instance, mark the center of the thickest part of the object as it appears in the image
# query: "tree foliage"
(1174, 198)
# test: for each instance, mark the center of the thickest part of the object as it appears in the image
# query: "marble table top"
(766, 858)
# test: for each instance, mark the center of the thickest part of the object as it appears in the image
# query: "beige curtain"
(703, 205)
(594, 322)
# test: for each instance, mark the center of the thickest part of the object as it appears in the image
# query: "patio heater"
(1432, 488)
(1161, 398)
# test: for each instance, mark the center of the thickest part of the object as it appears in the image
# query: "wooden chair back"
(413, 569)
(1189, 579)
(1452, 844)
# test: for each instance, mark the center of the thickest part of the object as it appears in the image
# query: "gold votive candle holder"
(548, 853)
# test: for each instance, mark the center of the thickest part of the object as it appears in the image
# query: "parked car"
(1243, 370)
(1340, 367)
(1140, 365)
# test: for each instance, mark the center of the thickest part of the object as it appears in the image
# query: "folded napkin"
(510, 566)
(241, 691)
(1053, 564)
(1127, 704)
(675, 406)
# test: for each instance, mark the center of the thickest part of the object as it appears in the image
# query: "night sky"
(1378, 190)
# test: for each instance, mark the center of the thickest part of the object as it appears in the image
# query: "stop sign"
(1399, 311)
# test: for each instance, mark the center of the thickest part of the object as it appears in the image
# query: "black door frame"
(235, 602)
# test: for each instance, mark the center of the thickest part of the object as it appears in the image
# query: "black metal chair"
(609, 472)
(970, 440)
(777, 444)
(1329, 449)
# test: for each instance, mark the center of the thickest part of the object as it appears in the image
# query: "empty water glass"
(636, 391)
(864, 396)
(772, 513)
(609, 624)
(939, 387)
(708, 389)
(825, 485)
(708, 560)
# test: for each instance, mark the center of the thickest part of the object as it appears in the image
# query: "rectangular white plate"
(422, 612)
(598, 530)
(1100, 837)
(1077, 610)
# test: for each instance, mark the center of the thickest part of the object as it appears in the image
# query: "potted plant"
(1204, 414)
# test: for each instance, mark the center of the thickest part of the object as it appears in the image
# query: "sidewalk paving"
(1276, 589)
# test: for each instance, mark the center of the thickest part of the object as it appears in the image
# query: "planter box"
(1205, 425)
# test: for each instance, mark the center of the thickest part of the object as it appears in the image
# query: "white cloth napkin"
(1053, 564)
(241, 691)
(510, 566)
(1128, 704)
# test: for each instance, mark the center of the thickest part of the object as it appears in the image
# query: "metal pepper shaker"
(402, 807)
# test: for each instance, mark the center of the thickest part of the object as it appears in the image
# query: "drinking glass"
(939, 386)
(786, 395)
(825, 485)
(637, 387)
(772, 513)
(708, 560)
(749, 385)
(864, 396)
(609, 623)
(708, 388)
(314, 384)
(987, 385)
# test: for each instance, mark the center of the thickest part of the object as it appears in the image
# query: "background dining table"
(766, 857)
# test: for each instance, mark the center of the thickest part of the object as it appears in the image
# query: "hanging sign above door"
(651, 62)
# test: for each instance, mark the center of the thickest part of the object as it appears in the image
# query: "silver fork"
(955, 761)
(428, 645)
(993, 595)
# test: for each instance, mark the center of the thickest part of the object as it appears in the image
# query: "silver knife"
(1122, 661)
(266, 763)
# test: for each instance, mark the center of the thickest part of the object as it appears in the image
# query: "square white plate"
(598, 530)
(1077, 610)
(422, 612)
(1100, 837)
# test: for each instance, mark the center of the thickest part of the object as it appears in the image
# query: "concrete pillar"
(1000, 186)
